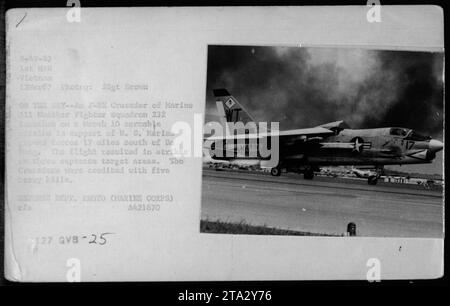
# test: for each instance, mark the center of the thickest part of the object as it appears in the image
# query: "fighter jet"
(331, 144)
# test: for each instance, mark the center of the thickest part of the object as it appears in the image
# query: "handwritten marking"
(21, 19)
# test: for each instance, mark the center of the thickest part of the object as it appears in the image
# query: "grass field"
(221, 227)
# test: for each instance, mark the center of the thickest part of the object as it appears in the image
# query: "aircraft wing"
(303, 134)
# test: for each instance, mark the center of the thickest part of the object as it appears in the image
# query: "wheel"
(372, 180)
(308, 175)
(276, 171)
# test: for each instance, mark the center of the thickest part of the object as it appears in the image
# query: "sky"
(304, 87)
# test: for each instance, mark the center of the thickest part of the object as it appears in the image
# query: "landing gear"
(372, 180)
(309, 174)
(308, 171)
(276, 171)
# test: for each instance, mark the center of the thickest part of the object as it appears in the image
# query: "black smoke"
(304, 87)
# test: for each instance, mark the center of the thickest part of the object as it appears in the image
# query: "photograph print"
(318, 141)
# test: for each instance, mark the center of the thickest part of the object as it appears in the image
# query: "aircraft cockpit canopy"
(413, 135)
(395, 131)
(408, 134)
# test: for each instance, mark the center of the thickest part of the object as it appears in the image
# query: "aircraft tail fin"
(230, 110)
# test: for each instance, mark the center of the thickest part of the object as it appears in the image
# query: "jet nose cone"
(435, 145)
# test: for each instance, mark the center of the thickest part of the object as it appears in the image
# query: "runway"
(323, 205)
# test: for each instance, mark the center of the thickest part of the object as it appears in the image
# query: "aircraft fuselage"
(368, 147)
(365, 147)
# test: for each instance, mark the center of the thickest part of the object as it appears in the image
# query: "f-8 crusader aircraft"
(332, 144)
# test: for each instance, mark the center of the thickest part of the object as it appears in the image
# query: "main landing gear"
(276, 171)
(308, 174)
(373, 179)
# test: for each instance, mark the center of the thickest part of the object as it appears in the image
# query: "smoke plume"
(304, 87)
